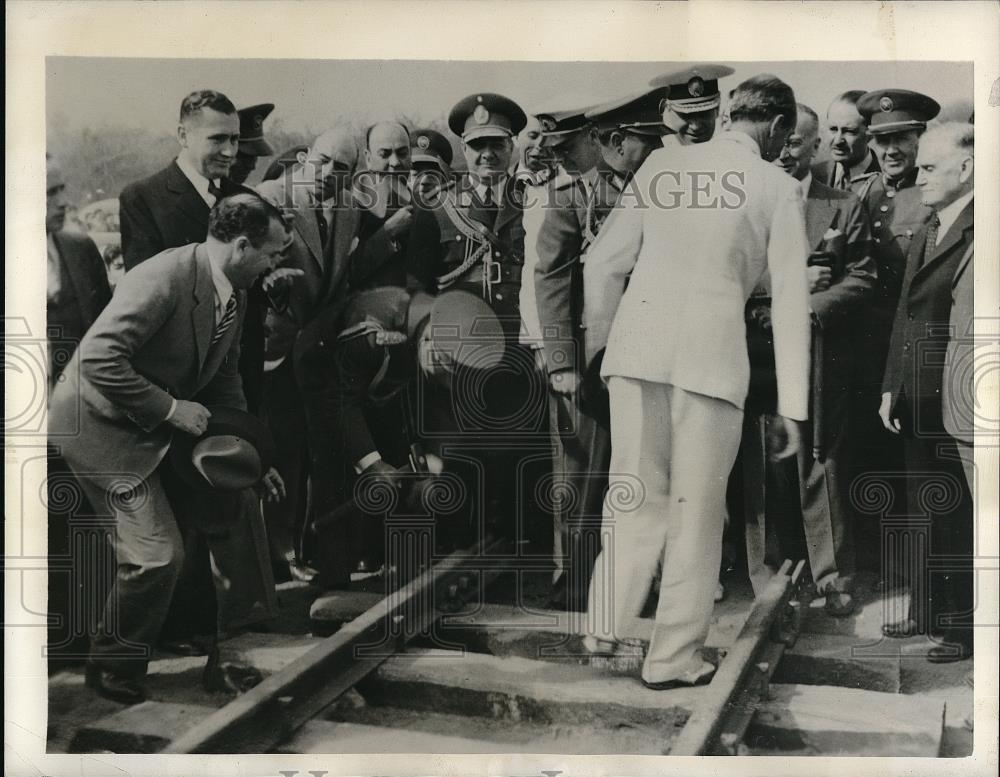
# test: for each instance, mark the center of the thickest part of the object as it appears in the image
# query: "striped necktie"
(933, 225)
(228, 316)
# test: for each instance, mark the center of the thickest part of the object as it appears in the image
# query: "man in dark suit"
(324, 227)
(941, 600)
(851, 160)
(170, 208)
(599, 150)
(815, 484)
(77, 289)
(166, 345)
(379, 259)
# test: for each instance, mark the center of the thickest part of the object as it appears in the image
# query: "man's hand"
(398, 224)
(564, 382)
(271, 486)
(381, 473)
(819, 277)
(190, 417)
(783, 438)
(884, 412)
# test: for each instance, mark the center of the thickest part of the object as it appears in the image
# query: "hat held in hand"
(233, 453)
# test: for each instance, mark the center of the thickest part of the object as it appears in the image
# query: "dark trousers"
(283, 411)
(582, 449)
(938, 537)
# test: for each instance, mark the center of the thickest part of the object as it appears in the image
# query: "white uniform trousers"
(671, 455)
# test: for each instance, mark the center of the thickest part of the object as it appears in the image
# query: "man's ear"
(240, 246)
(182, 135)
(965, 174)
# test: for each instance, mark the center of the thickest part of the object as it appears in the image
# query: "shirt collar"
(497, 190)
(743, 139)
(949, 213)
(223, 287)
(805, 184)
(197, 180)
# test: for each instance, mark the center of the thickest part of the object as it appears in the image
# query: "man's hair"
(961, 134)
(245, 214)
(761, 98)
(195, 102)
(802, 108)
(368, 132)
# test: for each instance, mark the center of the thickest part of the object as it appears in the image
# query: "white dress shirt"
(948, 214)
(197, 180)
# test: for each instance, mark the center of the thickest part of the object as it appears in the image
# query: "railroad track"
(411, 675)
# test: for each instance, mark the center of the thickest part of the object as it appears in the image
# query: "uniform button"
(909, 233)
(906, 346)
(909, 316)
(878, 240)
(496, 254)
(890, 194)
(499, 297)
(878, 224)
(458, 238)
(883, 208)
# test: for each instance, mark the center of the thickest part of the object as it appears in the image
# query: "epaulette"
(361, 329)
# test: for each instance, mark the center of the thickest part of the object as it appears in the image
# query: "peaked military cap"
(430, 146)
(559, 126)
(693, 88)
(486, 115)
(636, 113)
(896, 110)
(252, 129)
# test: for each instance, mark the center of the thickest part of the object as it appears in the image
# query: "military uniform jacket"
(896, 214)
(920, 334)
(352, 356)
(576, 209)
(440, 244)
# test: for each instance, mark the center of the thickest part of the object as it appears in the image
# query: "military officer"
(690, 104)
(472, 238)
(253, 144)
(896, 120)
(362, 357)
(430, 161)
(597, 150)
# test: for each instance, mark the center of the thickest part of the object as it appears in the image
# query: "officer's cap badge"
(423, 142)
(548, 124)
(696, 87)
(481, 115)
(886, 104)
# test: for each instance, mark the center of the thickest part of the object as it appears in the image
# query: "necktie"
(488, 201)
(228, 316)
(932, 232)
(839, 176)
(215, 191)
(323, 226)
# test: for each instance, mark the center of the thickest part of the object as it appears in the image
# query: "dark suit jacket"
(377, 260)
(84, 268)
(151, 343)
(165, 211)
(920, 334)
(958, 379)
(325, 269)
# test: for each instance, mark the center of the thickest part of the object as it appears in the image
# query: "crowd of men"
(619, 328)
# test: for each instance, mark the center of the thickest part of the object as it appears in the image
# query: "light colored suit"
(678, 372)
(152, 342)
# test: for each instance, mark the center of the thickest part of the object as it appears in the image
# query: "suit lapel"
(203, 312)
(306, 224)
(74, 270)
(187, 198)
(954, 235)
(345, 219)
(216, 353)
(820, 215)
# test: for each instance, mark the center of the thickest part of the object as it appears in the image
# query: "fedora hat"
(233, 453)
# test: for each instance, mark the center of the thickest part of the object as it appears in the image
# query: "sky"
(312, 95)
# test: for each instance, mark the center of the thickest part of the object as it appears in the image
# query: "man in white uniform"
(702, 225)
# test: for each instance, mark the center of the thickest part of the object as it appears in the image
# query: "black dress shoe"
(183, 647)
(113, 686)
(900, 629)
(949, 650)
